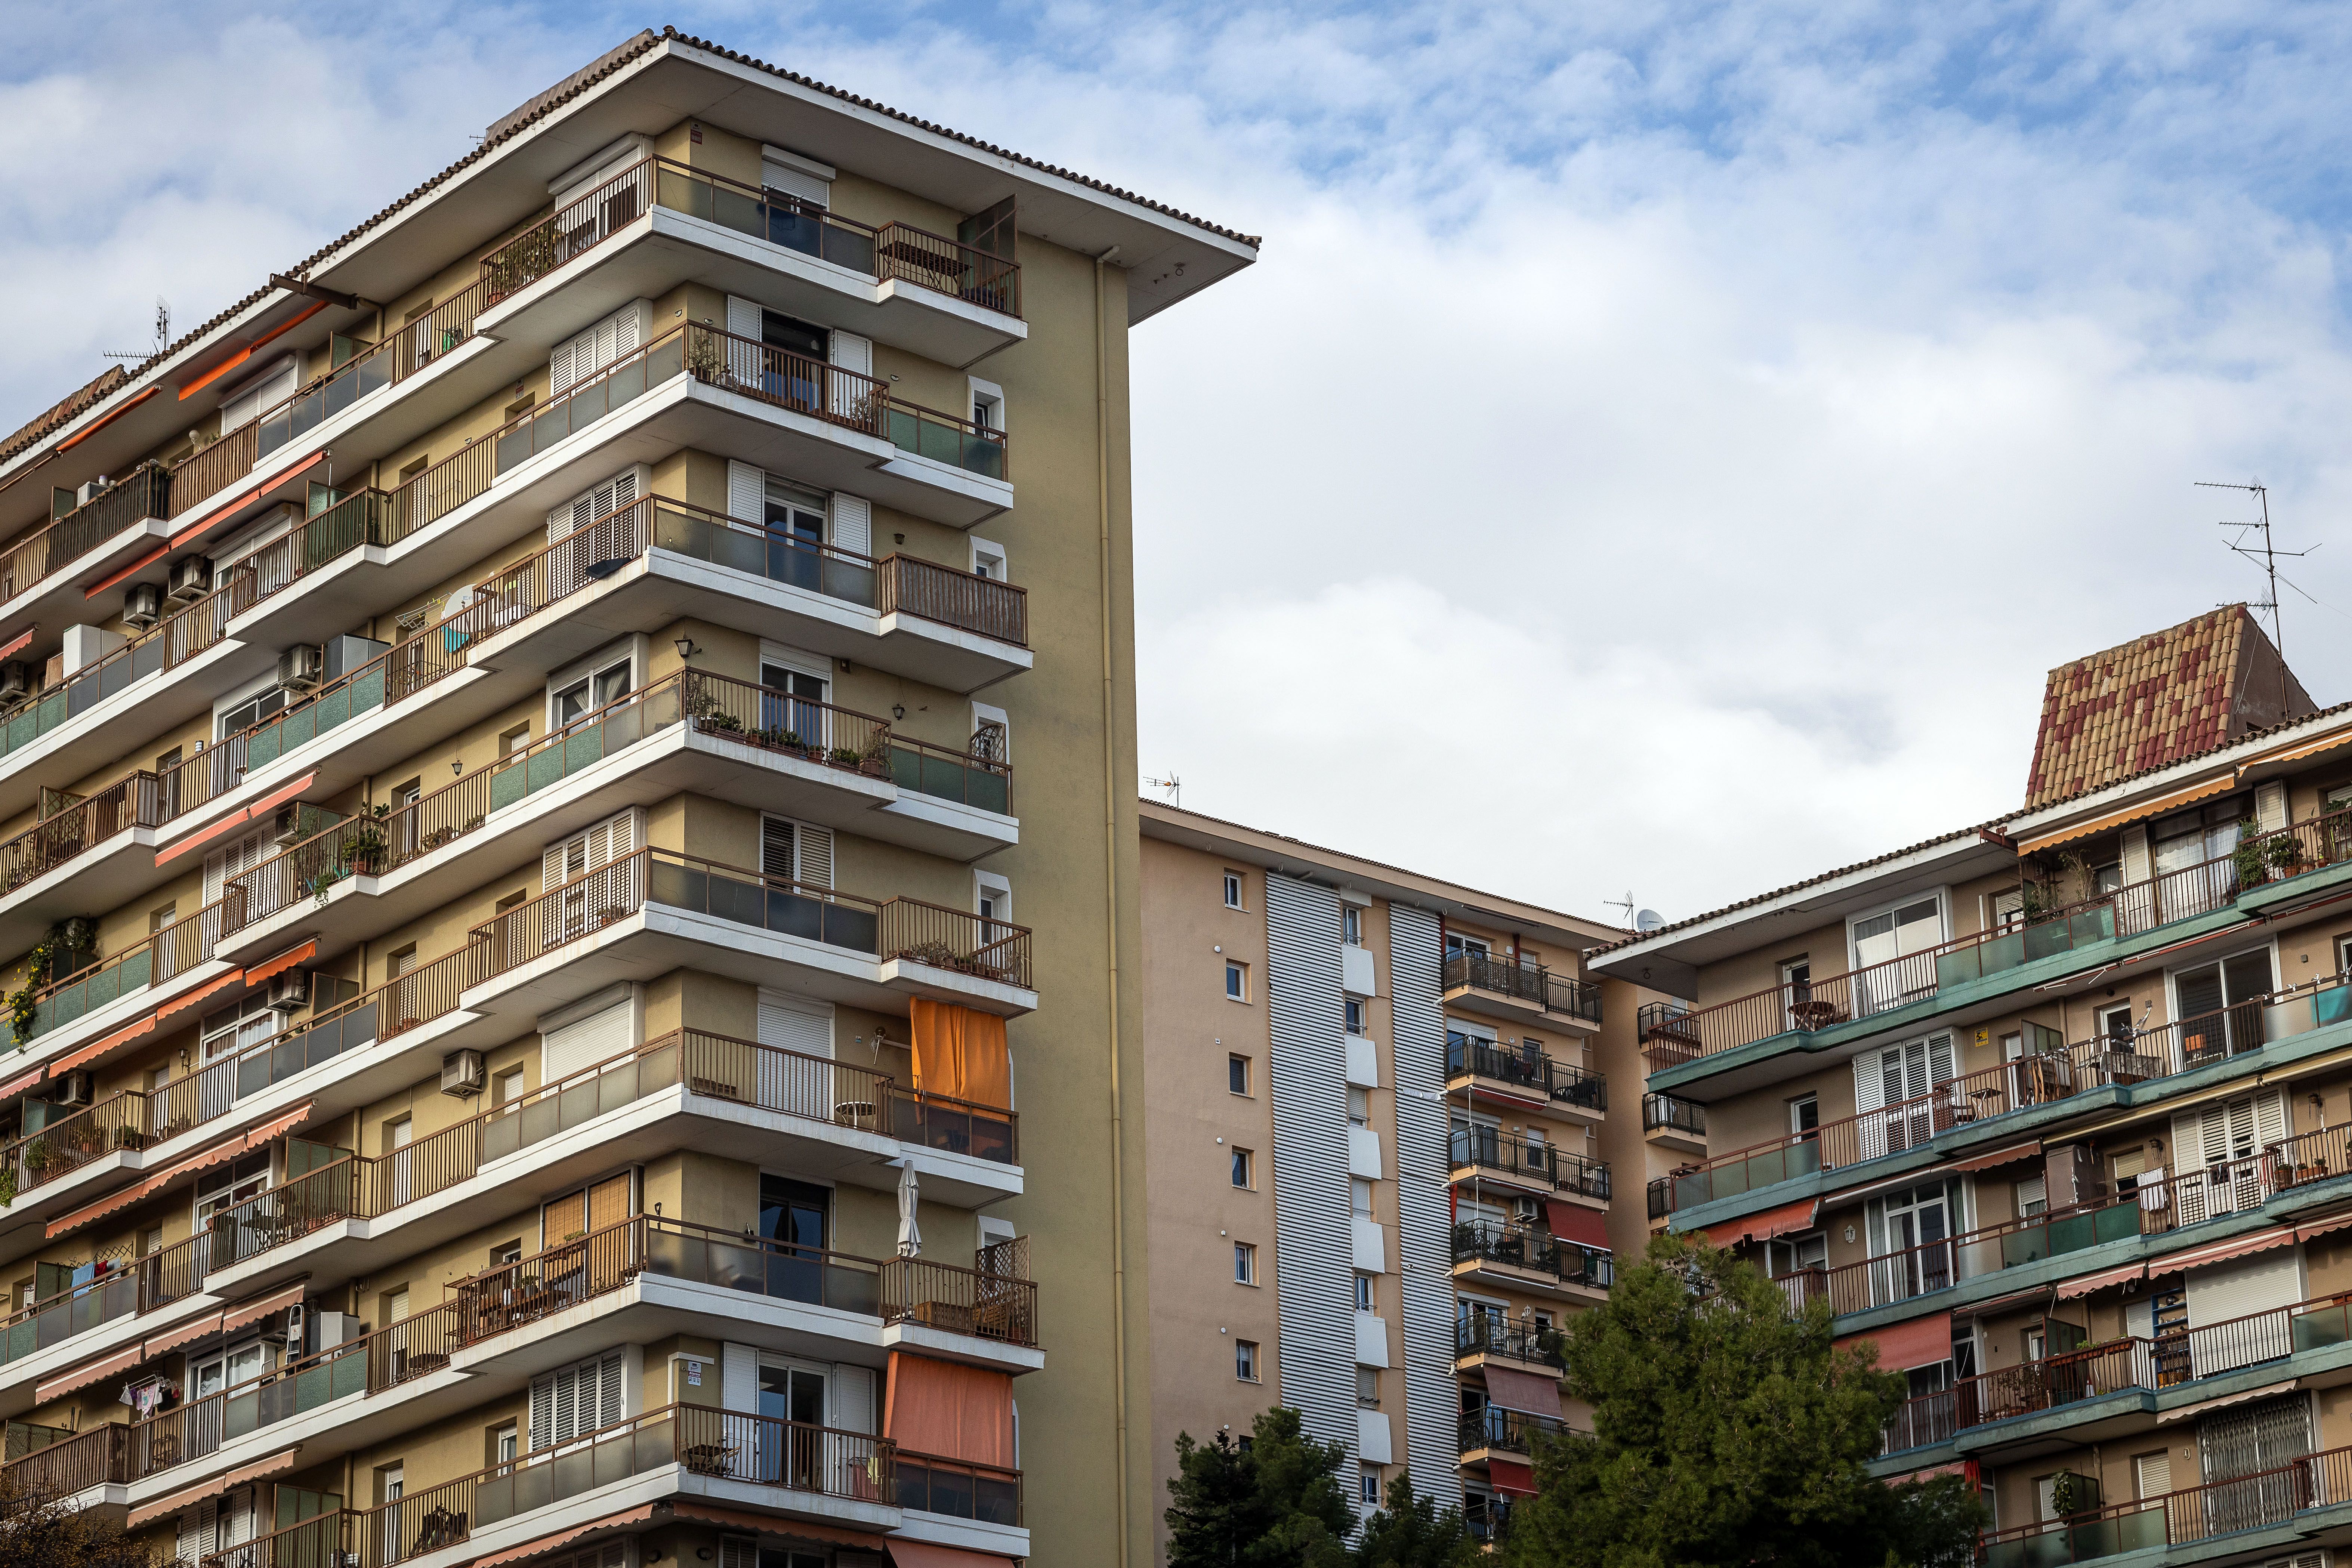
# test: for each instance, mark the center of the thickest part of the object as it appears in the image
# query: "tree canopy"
(1727, 1431)
(1276, 1503)
(40, 1530)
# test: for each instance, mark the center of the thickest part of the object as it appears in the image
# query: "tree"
(1276, 1503)
(1412, 1531)
(39, 1529)
(1726, 1430)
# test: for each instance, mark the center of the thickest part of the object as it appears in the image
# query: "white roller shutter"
(851, 352)
(815, 868)
(794, 1025)
(2235, 1289)
(2136, 861)
(747, 493)
(853, 1397)
(779, 176)
(738, 1379)
(573, 1401)
(616, 494)
(852, 524)
(743, 317)
(588, 849)
(583, 1042)
(241, 855)
(2270, 806)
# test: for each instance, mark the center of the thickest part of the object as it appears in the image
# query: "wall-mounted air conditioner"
(461, 1074)
(192, 577)
(299, 668)
(289, 992)
(143, 606)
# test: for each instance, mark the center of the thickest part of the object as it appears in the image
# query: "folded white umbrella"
(910, 1235)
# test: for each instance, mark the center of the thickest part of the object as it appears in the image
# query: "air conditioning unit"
(461, 1074)
(16, 679)
(192, 578)
(91, 490)
(286, 826)
(73, 1088)
(299, 668)
(289, 992)
(143, 605)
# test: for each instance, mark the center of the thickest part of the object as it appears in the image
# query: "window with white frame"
(992, 734)
(988, 560)
(987, 404)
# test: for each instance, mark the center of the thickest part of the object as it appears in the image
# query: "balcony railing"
(2128, 1056)
(128, 802)
(1489, 1333)
(141, 1284)
(1663, 1113)
(1522, 1248)
(1528, 1069)
(893, 251)
(1506, 1431)
(142, 493)
(934, 1484)
(887, 930)
(1532, 982)
(1526, 1161)
(2190, 1514)
(169, 952)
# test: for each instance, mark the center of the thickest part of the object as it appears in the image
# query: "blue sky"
(1662, 447)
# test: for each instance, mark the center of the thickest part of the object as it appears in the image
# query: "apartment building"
(1381, 1139)
(555, 771)
(2057, 1110)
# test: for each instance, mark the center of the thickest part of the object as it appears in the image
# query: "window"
(1368, 1397)
(1360, 1106)
(507, 1088)
(1805, 1116)
(573, 1401)
(1237, 982)
(1364, 1293)
(1796, 1254)
(251, 708)
(2033, 1197)
(1460, 946)
(514, 740)
(1241, 1165)
(2207, 1031)
(992, 902)
(1360, 1197)
(1232, 889)
(987, 405)
(991, 735)
(1369, 1483)
(1355, 1015)
(505, 1252)
(225, 1187)
(2107, 878)
(591, 692)
(1245, 1359)
(233, 1028)
(158, 919)
(504, 1443)
(1244, 1263)
(1351, 925)
(1237, 1074)
(988, 561)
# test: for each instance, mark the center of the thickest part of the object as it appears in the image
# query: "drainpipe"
(1110, 913)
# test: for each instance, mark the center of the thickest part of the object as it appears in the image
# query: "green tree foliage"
(1411, 1532)
(1727, 1431)
(1277, 1504)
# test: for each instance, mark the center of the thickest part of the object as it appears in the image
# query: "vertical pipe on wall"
(1111, 916)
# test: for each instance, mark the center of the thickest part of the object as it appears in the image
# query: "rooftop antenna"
(1173, 785)
(2266, 556)
(1626, 903)
(163, 333)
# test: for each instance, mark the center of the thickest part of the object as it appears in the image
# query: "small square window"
(1363, 1293)
(515, 739)
(1237, 1074)
(1245, 1359)
(1352, 926)
(1244, 1263)
(1370, 1482)
(1237, 982)
(1355, 1015)
(1241, 1167)
(1232, 889)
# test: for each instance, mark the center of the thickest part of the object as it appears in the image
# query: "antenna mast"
(2266, 557)
(163, 333)
(1173, 785)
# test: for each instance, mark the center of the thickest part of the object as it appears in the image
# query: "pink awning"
(164, 1506)
(92, 1053)
(244, 1312)
(281, 1460)
(2083, 1285)
(2223, 1251)
(1511, 1477)
(566, 1537)
(1764, 1226)
(1999, 1156)
(88, 1374)
(22, 1084)
(1524, 1391)
(1915, 1341)
(2306, 1231)
(121, 1197)
(186, 1334)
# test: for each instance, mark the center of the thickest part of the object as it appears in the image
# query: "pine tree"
(1276, 1503)
(1411, 1532)
(39, 1529)
(1726, 1430)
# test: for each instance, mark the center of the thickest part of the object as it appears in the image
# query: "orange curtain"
(961, 1054)
(953, 1412)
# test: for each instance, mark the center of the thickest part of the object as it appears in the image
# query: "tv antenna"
(1626, 903)
(163, 333)
(1173, 785)
(2266, 556)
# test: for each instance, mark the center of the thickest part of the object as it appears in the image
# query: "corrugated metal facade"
(1426, 1284)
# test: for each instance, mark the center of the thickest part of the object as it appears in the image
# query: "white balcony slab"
(1364, 1153)
(1369, 1244)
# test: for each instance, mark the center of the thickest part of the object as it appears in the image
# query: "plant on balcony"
(842, 757)
(362, 852)
(705, 359)
(37, 1155)
(7, 1185)
(875, 761)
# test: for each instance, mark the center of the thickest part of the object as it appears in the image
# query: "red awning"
(198, 994)
(566, 1537)
(689, 1507)
(1915, 1341)
(923, 1554)
(112, 578)
(2001, 1156)
(2223, 1251)
(88, 1374)
(92, 1053)
(244, 499)
(244, 1312)
(281, 1460)
(1574, 1222)
(20, 1085)
(2315, 1227)
(186, 1334)
(1783, 1221)
(16, 643)
(282, 963)
(1525, 1392)
(277, 1124)
(2084, 1284)
(121, 1197)
(1511, 1477)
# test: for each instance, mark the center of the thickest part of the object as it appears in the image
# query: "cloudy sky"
(1663, 446)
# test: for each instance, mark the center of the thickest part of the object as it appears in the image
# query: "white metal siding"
(1425, 1284)
(1314, 1284)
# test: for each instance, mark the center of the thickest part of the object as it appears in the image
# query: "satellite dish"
(1648, 920)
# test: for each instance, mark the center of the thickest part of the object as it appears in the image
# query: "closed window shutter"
(628, 332)
(567, 1404)
(616, 494)
(794, 183)
(2136, 866)
(738, 1378)
(794, 1025)
(743, 317)
(563, 365)
(608, 1375)
(853, 1397)
(2270, 806)
(852, 524)
(1942, 1065)
(197, 1528)
(775, 847)
(584, 1042)
(851, 352)
(552, 872)
(747, 493)
(2270, 1119)
(738, 1552)
(542, 1411)
(816, 868)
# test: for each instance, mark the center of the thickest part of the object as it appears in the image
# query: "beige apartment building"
(2057, 1110)
(1387, 1143)
(563, 807)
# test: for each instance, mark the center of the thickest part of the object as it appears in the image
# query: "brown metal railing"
(171, 952)
(128, 802)
(895, 929)
(142, 493)
(912, 587)
(2264, 1497)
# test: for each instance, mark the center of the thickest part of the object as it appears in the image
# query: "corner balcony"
(1516, 1257)
(657, 910)
(1506, 1160)
(1525, 1077)
(1671, 1123)
(659, 223)
(1522, 993)
(1495, 1432)
(43, 577)
(1484, 1339)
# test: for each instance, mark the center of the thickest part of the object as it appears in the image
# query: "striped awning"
(187, 1333)
(278, 1124)
(282, 963)
(163, 1507)
(2145, 809)
(189, 999)
(243, 1312)
(19, 1085)
(92, 1052)
(89, 1372)
(281, 1460)
(121, 1197)
(2084, 1284)
(2190, 1412)
(2223, 1251)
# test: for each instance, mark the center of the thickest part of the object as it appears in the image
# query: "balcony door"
(585, 897)
(791, 1455)
(2261, 1442)
(1893, 954)
(793, 1217)
(1895, 1094)
(1910, 1241)
(793, 705)
(2214, 1005)
(2215, 1171)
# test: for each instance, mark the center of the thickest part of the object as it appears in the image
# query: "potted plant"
(704, 359)
(362, 852)
(2250, 860)
(842, 757)
(37, 1155)
(875, 764)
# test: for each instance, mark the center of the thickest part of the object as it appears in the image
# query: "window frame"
(1236, 981)
(1233, 888)
(1241, 1167)
(1246, 1368)
(1236, 1060)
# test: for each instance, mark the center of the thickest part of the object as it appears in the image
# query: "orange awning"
(244, 1312)
(88, 1374)
(277, 1124)
(2083, 1285)
(247, 499)
(923, 1554)
(1785, 1220)
(87, 431)
(2308, 749)
(121, 1197)
(2322, 1226)
(92, 1053)
(22, 1084)
(282, 963)
(1915, 1341)
(186, 1333)
(172, 1504)
(2223, 1251)
(180, 1004)
(275, 799)
(282, 1459)
(2179, 797)
(1511, 1477)
(95, 589)
(2001, 1156)
(16, 643)
(566, 1537)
